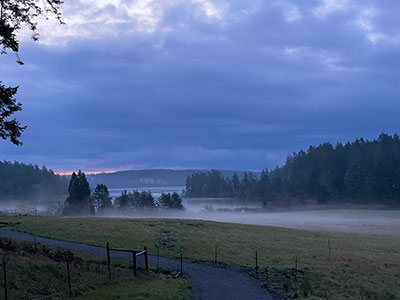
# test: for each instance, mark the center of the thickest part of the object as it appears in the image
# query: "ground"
(355, 266)
(41, 272)
(153, 286)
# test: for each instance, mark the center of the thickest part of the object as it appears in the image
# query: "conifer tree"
(101, 198)
(79, 201)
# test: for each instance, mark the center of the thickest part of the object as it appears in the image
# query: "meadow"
(298, 263)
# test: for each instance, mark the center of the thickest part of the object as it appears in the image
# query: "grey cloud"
(241, 92)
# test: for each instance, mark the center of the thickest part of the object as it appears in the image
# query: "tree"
(21, 182)
(170, 201)
(14, 14)
(11, 129)
(135, 200)
(236, 184)
(124, 201)
(165, 200)
(101, 198)
(145, 200)
(79, 200)
(176, 201)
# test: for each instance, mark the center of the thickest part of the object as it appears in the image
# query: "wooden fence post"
(34, 241)
(5, 278)
(69, 280)
(256, 262)
(329, 247)
(146, 259)
(295, 276)
(181, 265)
(158, 257)
(134, 263)
(216, 253)
(108, 261)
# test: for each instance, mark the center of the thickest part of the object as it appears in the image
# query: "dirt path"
(209, 283)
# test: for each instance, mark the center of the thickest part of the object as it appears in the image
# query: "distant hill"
(22, 182)
(150, 178)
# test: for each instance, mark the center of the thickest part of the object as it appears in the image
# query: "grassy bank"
(359, 266)
(40, 272)
(153, 286)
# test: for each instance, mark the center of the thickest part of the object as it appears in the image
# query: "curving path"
(209, 282)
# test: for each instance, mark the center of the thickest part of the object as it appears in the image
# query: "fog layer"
(365, 221)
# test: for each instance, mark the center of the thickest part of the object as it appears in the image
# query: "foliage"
(11, 129)
(135, 200)
(208, 184)
(362, 172)
(124, 201)
(79, 201)
(143, 199)
(101, 198)
(170, 201)
(14, 14)
(21, 182)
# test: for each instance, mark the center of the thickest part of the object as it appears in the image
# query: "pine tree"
(170, 201)
(79, 201)
(236, 184)
(101, 198)
(124, 201)
(176, 201)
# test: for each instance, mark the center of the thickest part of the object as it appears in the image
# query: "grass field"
(39, 272)
(153, 286)
(359, 267)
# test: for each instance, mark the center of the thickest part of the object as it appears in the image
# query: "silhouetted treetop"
(16, 13)
(9, 128)
(13, 15)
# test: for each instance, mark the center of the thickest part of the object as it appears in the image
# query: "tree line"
(82, 200)
(22, 182)
(361, 172)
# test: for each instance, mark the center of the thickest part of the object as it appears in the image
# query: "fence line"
(135, 254)
(5, 277)
(68, 260)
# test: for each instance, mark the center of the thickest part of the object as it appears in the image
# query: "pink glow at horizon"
(87, 173)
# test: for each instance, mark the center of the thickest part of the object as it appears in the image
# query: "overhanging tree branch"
(13, 15)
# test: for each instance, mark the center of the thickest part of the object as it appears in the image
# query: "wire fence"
(33, 271)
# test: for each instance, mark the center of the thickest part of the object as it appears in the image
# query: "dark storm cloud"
(223, 84)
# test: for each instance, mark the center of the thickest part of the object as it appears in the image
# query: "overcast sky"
(227, 84)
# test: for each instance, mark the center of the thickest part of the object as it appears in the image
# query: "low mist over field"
(356, 220)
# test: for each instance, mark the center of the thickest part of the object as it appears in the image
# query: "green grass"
(32, 274)
(41, 273)
(153, 286)
(360, 266)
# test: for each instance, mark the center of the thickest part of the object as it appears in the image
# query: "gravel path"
(209, 282)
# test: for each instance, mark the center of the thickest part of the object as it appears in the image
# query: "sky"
(225, 84)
